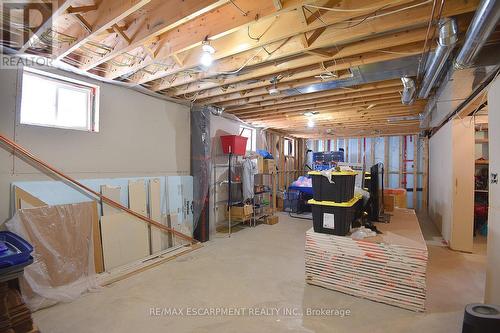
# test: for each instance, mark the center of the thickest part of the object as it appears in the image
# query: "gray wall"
(139, 135)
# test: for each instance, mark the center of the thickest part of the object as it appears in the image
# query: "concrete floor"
(263, 268)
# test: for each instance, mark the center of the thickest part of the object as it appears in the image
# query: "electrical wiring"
(394, 52)
(241, 10)
(263, 33)
(348, 10)
(100, 46)
(242, 66)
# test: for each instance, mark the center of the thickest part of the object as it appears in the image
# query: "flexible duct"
(448, 34)
(481, 27)
(408, 96)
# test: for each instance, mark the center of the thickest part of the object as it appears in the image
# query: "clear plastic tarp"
(62, 238)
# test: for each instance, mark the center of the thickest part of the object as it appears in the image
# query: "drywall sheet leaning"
(124, 239)
(180, 206)
(137, 196)
(63, 266)
(24, 199)
(159, 239)
(113, 193)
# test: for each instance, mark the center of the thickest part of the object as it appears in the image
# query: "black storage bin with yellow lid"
(339, 189)
(334, 218)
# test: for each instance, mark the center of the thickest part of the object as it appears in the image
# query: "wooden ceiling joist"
(191, 33)
(270, 33)
(299, 64)
(334, 35)
(284, 45)
(148, 30)
(106, 15)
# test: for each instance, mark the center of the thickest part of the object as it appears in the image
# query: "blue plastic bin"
(13, 249)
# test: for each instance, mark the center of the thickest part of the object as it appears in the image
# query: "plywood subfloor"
(263, 267)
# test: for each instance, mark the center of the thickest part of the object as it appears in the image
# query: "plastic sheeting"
(63, 266)
(249, 171)
(201, 167)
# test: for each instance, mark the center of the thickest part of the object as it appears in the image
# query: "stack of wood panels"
(15, 317)
(389, 268)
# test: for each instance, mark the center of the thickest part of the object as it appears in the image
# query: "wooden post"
(415, 171)
(273, 181)
(386, 162)
(401, 161)
(335, 144)
(282, 167)
(372, 149)
(425, 185)
(346, 149)
(360, 148)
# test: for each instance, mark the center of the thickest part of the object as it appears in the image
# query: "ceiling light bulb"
(206, 59)
(206, 47)
(310, 123)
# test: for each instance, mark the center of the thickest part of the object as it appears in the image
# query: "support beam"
(277, 29)
(60, 10)
(191, 33)
(239, 43)
(107, 15)
(146, 30)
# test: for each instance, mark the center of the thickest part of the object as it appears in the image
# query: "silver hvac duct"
(408, 96)
(481, 27)
(448, 32)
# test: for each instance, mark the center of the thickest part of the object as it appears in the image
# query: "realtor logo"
(26, 27)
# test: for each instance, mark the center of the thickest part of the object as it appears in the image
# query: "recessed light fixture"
(273, 91)
(207, 58)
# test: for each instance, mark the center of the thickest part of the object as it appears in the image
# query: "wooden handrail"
(29, 155)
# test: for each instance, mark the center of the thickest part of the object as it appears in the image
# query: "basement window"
(54, 101)
(251, 134)
(289, 147)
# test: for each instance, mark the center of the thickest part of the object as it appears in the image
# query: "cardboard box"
(269, 166)
(265, 166)
(241, 212)
(272, 219)
(389, 202)
(399, 196)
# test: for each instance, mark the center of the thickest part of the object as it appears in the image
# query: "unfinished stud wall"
(139, 135)
(399, 154)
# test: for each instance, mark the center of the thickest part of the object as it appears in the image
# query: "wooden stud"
(425, 185)
(401, 160)
(122, 33)
(386, 162)
(82, 9)
(415, 171)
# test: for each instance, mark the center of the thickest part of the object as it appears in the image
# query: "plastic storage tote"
(341, 189)
(334, 218)
(13, 249)
(234, 144)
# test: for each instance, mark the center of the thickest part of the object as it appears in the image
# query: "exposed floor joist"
(261, 46)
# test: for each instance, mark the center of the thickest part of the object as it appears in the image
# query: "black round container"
(481, 318)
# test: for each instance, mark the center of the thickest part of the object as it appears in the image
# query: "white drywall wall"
(440, 179)
(492, 293)
(139, 135)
